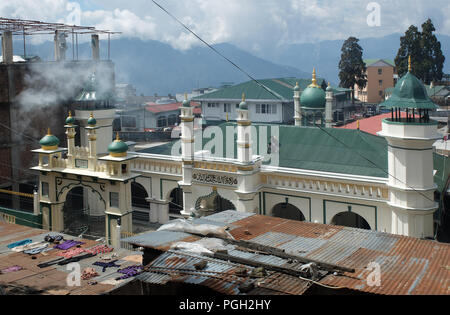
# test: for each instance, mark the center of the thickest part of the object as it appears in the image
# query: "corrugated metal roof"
(157, 239)
(408, 265)
(218, 275)
(229, 217)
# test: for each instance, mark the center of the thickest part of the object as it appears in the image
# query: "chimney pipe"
(7, 47)
(95, 47)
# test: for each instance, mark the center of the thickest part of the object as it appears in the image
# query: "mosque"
(308, 172)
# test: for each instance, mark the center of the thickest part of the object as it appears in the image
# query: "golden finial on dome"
(49, 132)
(185, 97)
(92, 115)
(409, 64)
(70, 114)
(117, 136)
(243, 97)
(314, 80)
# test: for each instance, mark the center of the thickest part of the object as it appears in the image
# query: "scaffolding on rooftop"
(29, 27)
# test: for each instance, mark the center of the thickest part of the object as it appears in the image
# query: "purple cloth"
(12, 269)
(68, 244)
(130, 272)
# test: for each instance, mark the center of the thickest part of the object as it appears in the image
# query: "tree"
(352, 67)
(425, 51)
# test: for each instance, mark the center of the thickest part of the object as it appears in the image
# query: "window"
(380, 82)
(173, 119)
(380, 93)
(380, 71)
(162, 122)
(129, 121)
(227, 108)
(114, 200)
(44, 189)
(213, 105)
(266, 109)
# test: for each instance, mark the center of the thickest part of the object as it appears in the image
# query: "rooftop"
(370, 62)
(312, 149)
(52, 280)
(282, 89)
(409, 266)
(164, 108)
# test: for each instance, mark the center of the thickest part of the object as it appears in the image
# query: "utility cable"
(276, 96)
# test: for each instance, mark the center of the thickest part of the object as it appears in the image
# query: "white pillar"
(36, 203)
(411, 183)
(7, 47)
(244, 133)
(329, 107)
(297, 106)
(95, 44)
(187, 152)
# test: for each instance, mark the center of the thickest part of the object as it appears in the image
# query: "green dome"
(92, 121)
(70, 120)
(313, 97)
(118, 148)
(49, 142)
(243, 105)
(186, 103)
(297, 87)
(409, 93)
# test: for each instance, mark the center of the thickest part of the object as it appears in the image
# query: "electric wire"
(268, 90)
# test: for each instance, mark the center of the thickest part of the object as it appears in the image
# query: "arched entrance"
(84, 213)
(141, 207)
(212, 203)
(350, 219)
(288, 211)
(176, 203)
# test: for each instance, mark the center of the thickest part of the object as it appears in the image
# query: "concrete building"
(384, 183)
(381, 74)
(276, 106)
(35, 95)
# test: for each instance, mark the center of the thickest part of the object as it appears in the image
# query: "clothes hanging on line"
(75, 259)
(36, 250)
(68, 244)
(99, 249)
(70, 252)
(50, 263)
(130, 271)
(111, 264)
(19, 243)
(11, 269)
(27, 247)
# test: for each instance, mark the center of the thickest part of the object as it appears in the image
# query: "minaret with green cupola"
(244, 149)
(70, 133)
(410, 157)
(312, 103)
(187, 153)
(297, 106)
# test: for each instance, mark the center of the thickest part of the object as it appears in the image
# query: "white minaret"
(410, 158)
(297, 106)
(187, 153)
(71, 133)
(329, 107)
(244, 133)
(92, 138)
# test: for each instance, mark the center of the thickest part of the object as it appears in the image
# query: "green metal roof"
(283, 89)
(442, 166)
(312, 149)
(409, 92)
(370, 62)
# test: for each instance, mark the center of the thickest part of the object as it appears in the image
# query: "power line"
(268, 90)
(216, 51)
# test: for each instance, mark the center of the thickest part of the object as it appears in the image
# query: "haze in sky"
(254, 25)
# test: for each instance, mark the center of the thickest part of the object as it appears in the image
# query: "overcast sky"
(251, 24)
